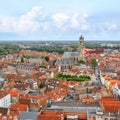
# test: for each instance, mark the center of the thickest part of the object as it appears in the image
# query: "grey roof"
(71, 54)
(30, 67)
(65, 61)
(33, 93)
(33, 109)
(73, 106)
(11, 64)
(74, 103)
(37, 59)
(31, 81)
(28, 115)
(108, 71)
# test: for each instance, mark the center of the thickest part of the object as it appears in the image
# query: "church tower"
(81, 46)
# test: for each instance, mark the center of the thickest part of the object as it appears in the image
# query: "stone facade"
(70, 58)
(81, 46)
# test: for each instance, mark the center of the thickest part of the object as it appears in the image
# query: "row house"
(23, 88)
(25, 66)
(33, 83)
(5, 99)
(99, 114)
(14, 95)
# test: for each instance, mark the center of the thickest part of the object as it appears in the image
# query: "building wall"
(116, 91)
(106, 117)
(5, 101)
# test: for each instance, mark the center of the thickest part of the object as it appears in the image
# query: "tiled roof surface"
(110, 104)
(14, 92)
(19, 107)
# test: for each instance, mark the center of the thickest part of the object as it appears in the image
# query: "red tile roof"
(50, 115)
(110, 104)
(14, 92)
(19, 107)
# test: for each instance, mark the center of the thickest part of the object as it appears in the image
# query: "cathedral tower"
(81, 46)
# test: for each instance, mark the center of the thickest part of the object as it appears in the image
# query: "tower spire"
(81, 46)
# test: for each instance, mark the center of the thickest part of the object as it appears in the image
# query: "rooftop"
(71, 54)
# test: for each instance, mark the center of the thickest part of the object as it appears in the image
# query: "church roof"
(64, 61)
(71, 54)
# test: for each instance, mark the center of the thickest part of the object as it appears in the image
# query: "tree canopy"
(81, 62)
(94, 63)
(73, 77)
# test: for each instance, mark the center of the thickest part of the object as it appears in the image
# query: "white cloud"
(30, 22)
(79, 22)
(106, 27)
(36, 22)
(35, 13)
(75, 23)
(60, 20)
(85, 15)
(112, 27)
(6, 24)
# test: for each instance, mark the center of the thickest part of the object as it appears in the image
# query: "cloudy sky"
(59, 19)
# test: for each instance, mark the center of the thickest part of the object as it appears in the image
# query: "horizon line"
(60, 40)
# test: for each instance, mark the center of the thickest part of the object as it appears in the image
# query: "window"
(106, 118)
(4, 118)
(111, 118)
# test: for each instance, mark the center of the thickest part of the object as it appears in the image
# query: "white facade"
(102, 80)
(5, 101)
(34, 83)
(116, 91)
(100, 115)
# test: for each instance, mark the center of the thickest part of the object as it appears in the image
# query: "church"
(70, 58)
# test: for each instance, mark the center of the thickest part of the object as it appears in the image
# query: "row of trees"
(9, 49)
(73, 77)
(58, 49)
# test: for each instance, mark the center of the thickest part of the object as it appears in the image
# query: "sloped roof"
(28, 115)
(71, 54)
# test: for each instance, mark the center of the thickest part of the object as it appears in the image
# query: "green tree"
(41, 85)
(73, 77)
(42, 66)
(94, 64)
(22, 59)
(81, 62)
(47, 58)
(2, 51)
(54, 61)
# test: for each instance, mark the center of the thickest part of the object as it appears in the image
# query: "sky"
(59, 19)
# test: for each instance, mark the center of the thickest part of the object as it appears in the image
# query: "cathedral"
(70, 58)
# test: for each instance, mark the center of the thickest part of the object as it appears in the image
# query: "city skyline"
(59, 20)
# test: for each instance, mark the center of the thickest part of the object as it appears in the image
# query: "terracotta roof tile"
(14, 92)
(19, 107)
